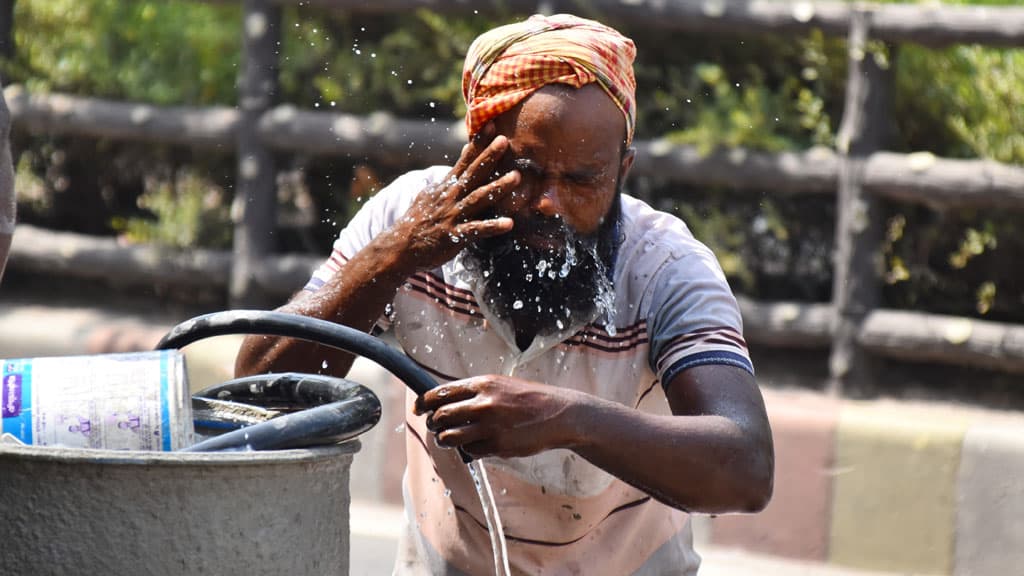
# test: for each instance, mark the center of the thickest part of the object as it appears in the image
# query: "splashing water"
(569, 262)
(483, 490)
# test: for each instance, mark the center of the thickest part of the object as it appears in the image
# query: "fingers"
(466, 437)
(484, 168)
(491, 193)
(478, 165)
(477, 229)
(444, 394)
(477, 144)
(450, 417)
(474, 184)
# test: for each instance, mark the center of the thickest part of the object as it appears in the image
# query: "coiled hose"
(351, 408)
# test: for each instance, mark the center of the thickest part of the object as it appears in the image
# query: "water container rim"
(144, 458)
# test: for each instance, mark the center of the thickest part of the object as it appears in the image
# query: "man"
(588, 347)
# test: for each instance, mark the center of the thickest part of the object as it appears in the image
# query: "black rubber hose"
(253, 400)
(304, 328)
(290, 388)
(328, 424)
(353, 409)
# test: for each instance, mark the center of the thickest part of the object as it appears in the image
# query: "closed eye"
(527, 166)
(583, 178)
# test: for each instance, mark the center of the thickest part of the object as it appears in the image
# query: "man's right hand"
(457, 210)
(439, 223)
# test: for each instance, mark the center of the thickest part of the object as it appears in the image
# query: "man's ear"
(628, 155)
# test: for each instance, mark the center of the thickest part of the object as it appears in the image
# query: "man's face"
(552, 269)
(551, 287)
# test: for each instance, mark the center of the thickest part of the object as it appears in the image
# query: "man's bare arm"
(714, 455)
(434, 229)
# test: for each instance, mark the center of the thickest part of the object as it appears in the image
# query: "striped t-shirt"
(561, 515)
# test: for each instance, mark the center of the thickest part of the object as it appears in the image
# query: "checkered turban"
(507, 64)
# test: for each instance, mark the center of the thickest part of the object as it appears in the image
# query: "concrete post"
(254, 209)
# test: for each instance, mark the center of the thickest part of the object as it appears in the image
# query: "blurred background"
(857, 170)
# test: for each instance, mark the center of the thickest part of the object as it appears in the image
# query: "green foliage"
(736, 116)
(966, 101)
(407, 64)
(163, 52)
(185, 211)
(725, 234)
(762, 92)
(759, 112)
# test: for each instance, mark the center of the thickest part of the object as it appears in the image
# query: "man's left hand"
(500, 416)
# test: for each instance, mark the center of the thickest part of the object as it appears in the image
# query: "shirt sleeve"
(694, 318)
(378, 214)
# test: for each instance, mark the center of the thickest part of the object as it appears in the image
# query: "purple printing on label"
(10, 395)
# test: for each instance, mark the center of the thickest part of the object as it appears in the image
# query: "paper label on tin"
(135, 401)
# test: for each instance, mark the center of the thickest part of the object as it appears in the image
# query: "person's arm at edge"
(8, 203)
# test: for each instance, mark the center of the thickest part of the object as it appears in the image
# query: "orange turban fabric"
(507, 64)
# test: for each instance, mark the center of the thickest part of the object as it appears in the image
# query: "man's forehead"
(564, 96)
(584, 118)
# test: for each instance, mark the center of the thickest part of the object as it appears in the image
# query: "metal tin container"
(83, 511)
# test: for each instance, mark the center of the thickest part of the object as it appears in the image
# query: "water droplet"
(447, 492)
(517, 305)
(400, 428)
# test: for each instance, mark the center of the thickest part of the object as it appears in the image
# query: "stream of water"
(483, 490)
